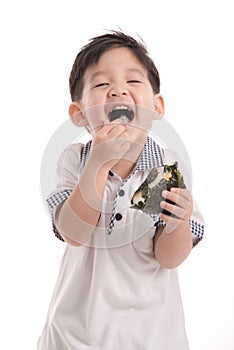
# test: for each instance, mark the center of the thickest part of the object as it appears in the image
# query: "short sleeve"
(196, 225)
(67, 176)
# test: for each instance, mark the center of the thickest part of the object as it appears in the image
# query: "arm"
(173, 242)
(79, 214)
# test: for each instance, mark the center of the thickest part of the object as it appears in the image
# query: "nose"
(118, 91)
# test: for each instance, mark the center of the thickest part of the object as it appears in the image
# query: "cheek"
(145, 99)
(95, 125)
(96, 116)
(90, 98)
(144, 116)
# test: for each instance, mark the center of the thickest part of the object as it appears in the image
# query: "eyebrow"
(95, 75)
(102, 72)
(135, 70)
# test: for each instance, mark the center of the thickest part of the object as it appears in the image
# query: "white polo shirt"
(111, 293)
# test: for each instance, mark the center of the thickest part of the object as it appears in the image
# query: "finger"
(111, 129)
(177, 199)
(107, 134)
(115, 130)
(117, 121)
(178, 212)
(183, 192)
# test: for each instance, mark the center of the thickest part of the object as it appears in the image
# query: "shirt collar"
(151, 157)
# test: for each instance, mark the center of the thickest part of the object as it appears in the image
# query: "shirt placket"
(119, 205)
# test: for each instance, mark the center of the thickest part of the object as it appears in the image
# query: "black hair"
(91, 53)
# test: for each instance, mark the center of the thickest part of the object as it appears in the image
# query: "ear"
(159, 106)
(76, 115)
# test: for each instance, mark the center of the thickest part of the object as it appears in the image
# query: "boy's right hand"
(109, 146)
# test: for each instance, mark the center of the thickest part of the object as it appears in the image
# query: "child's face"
(118, 80)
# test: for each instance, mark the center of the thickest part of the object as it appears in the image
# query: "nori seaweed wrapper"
(148, 196)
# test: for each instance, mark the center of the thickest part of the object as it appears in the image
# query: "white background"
(191, 43)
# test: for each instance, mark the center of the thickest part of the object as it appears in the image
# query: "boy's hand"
(181, 209)
(108, 147)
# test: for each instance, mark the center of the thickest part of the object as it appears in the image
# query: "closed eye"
(101, 84)
(134, 81)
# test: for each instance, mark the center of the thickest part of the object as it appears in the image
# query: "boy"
(118, 286)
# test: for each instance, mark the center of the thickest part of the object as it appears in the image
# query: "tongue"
(124, 114)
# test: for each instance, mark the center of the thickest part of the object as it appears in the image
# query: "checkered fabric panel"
(57, 234)
(159, 222)
(151, 157)
(112, 221)
(197, 231)
(84, 155)
(53, 201)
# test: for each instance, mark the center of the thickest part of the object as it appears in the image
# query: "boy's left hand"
(181, 209)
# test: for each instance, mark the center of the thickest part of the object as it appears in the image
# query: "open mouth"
(125, 114)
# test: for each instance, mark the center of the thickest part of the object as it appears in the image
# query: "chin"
(136, 134)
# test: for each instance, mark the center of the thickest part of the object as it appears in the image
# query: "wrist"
(96, 166)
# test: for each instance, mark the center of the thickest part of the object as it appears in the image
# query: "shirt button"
(121, 193)
(118, 216)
